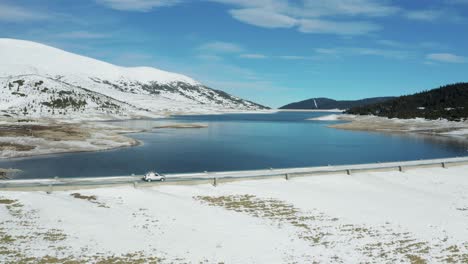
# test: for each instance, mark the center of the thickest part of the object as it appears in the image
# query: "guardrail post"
(287, 176)
(135, 184)
(348, 172)
(401, 169)
(50, 188)
(215, 182)
(444, 165)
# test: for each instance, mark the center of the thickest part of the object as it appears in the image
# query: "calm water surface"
(239, 142)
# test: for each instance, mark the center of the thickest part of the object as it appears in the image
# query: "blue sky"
(269, 51)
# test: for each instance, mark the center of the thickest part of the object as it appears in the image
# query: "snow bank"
(333, 117)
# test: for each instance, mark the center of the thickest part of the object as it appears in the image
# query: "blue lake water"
(239, 142)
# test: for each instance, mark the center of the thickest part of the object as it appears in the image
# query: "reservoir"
(238, 142)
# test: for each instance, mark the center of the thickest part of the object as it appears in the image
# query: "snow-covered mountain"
(41, 81)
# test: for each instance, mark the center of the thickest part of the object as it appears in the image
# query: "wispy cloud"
(209, 57)
(13, 13)
(390, 43)
(138, 5)
(263, 18)
(317, 16)
(339, 17)
(340, 28)
(326, 51)
(253, 56)
(221, 47)
(446, 57)
(292, 57)
(431, 15)
(83, 35)
(424, 15)
(362, 51)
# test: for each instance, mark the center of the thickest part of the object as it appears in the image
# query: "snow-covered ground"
(41, 81)
(440, 127)
(333, 117)
(313, 110)
(387, 217)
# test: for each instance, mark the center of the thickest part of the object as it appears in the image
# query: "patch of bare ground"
(376, 244)
(49, 132)
(90, 198)
(181, 126)
(6, 174)
(6, 146)
(43, 136)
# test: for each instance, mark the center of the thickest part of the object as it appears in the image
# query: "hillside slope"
(327, 103)
(449, 102)
(40, 81)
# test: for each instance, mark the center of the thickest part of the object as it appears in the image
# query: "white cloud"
(308, 16)
(424, 15)
(292, 57)
(340, 28)
(317, 8)
(221, 47)
(395, 54)
(12, 13)
(83, 35)
(138, 5)
(340, 17)
(431, 15)
(390, 43)
(369, 8)
(362, 51)
(446, 57)
(209, 57)
(253, 56)
(263, 18)
(326, 51)
(269, 19)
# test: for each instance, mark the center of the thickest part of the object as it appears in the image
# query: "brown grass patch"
(90, 198)
(51, 132)
(6, 146)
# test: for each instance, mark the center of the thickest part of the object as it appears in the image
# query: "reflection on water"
(240, 142)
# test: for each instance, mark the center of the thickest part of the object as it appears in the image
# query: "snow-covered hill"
(41, 81)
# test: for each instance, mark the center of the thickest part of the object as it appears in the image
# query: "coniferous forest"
(448, 102)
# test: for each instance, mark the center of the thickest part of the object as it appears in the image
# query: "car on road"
(154, 176)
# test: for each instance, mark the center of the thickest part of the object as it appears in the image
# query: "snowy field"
(420, 216)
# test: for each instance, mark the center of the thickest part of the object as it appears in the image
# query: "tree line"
(448, 102)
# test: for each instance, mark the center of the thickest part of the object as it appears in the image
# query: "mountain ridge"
(37, 80)
(323, 103)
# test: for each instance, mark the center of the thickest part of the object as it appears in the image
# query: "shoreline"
(197, 178)
(39, 137)
(312, 110)
(91, 136)
(432, 128)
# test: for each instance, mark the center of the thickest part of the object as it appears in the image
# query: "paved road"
(208, 177)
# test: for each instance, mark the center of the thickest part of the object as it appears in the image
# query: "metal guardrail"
(216, 178)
